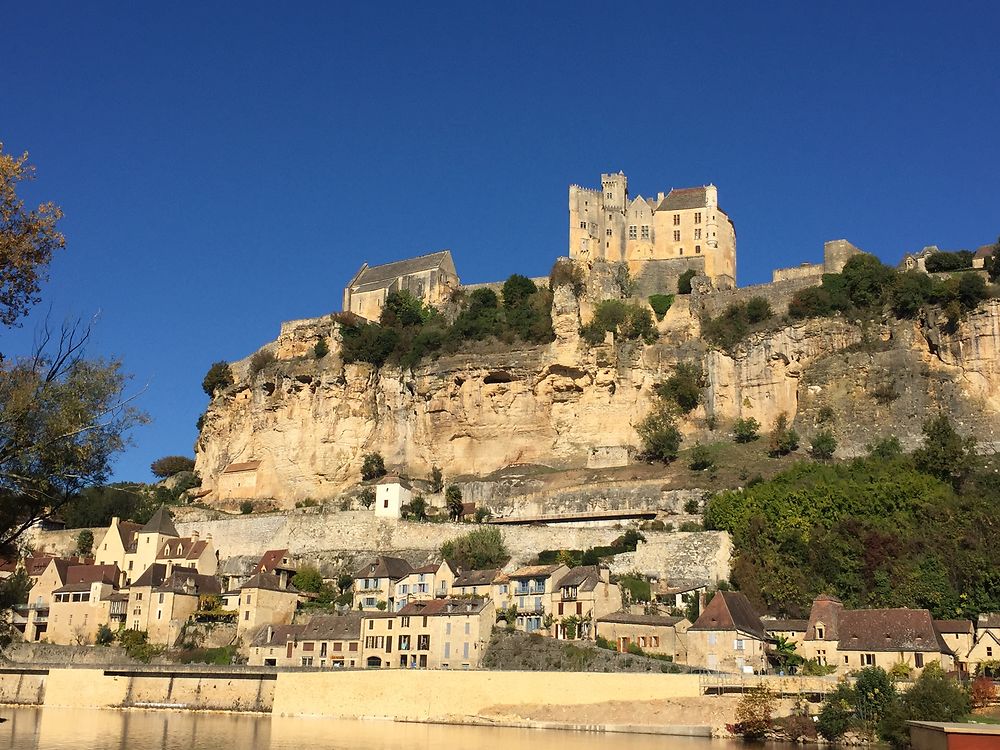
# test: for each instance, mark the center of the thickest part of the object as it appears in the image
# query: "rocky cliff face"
(309, 422)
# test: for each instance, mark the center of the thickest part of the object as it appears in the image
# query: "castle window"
(608, 232)
(645, 232)
(608, 195)
(697, 234)
(680, 251)
(583, 225)
(677, 220)
(631, 231)
(677, 235)
(697, 218)
(697, 249)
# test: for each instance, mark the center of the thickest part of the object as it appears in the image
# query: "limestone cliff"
(309, 422)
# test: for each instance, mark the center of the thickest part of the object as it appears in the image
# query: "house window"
(711, 638)
(322, 649)
(405, 621)
(677, 235)
(697, 217)
(246, 615)
(404, 643)
(820, 632)
(385, 503)
(371, 624)
(989, 652)
(739, 645)
(631, 232)
(918, 660)
(677, 220)
(159, 614)
(447, 650)
(609, 195)
(868, 660)
(697, 234)
(468, 627)
(465, 650)
(697, 249)
(423, 643)
(645, 232)
(307, 661)
(680, 251)
(447, 628)
(388, 625)
(138, 597)
(846, 659)
(352, 647)
(248, 598)
(308, 646)
(161, 598)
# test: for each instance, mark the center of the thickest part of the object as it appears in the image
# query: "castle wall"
(778, 293)
(660, 276)
(803, 271)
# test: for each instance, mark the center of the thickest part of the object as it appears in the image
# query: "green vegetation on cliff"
(887, 530)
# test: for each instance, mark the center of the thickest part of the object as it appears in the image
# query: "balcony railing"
(531, 609)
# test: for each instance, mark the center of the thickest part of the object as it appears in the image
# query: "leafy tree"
(874, 692)
(754, 713)
(321, 349)
(96, 506)
(367, 497)
(683, 387)
(758, 309)
(517, 290)
(837, 712)
(170, 465)
(308, 578)
(259, 361)
(344, 582)
(823, 445)
(626, 320)
(992, 263)
(945, 454)
(785, 655)
(811, 302)
(453, 499)
(402, 309)
(684, 281)
(85, 542)
(218, 377)
(933, 697)
(910, 292)
(437, 480)
(483, 547)
(372, 466)
(567, 273)
(368, 342)
(782, 440)
(28, 238)
(416, 509)
(701, 458)
(866, 280)
(885, 449)
(661, 440)
(105, 636)
(943, 261)
(970, 289)
(746, 430)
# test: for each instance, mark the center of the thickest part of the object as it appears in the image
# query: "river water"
(82, 729)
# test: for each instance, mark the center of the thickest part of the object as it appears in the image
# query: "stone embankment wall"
(347, 538)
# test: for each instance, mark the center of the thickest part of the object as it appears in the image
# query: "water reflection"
(80, 729)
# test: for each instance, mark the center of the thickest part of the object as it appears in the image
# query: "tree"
(945, 454)
(745, 430)
(837, 712)
(684, 281)
(27, 240)
(866, 280)
(785, 655)
(754, 713)
(701, 458)
(933, 697)
(782, 440)
(661, 440)
(944, 261)
(85, 542)
(367, 497)
(218, 377)
(823, 445)
(758, 309)
(416, 509)
(246, 507)
(453, 498)
(874, 691)
(516, 291)
(372, 466)
(170, 465)
(308, 578)
(992, 263)
(683, 387)
(483, 547)
(437, 480)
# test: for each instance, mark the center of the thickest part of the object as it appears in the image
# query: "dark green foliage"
(885, 449)
(367, 497)
(437, 480)
(137, 646)
(910, 293)
(992, 263)
(623, 280)
(758, 309)
(837, 714)
(105, 636)
(372, 466)
(660, 304)
(691, 506)
(783, 439)
(945, 454)
(453, 500)
(684, 281)
(321, 349)
(200, 422)
(823, 445)
(637, 586)
(368, 342)
(812, 302)
(403, 310)
(259, 362)
(96, 506)
(746, 430)
(416, 509)
(661, 440)
(736, 321)
(170, 465)
(969, 289)
(85, 542)
(481, 548)
(219, 376)
(627, 542)
(625, 320)
(517, 290)
(866, 280)
(702, 458)
(246, 507)
(567, 273)
(874, 691)
(684, 386)
(938, 262)
(933, 697)
(308, 578)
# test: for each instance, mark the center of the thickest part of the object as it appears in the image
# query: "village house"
(111, 548)
(793, 631)
(529, 590)
(427, 582)
(728, 636)
(392, 492)
(434, 634)
(680, 593)
(147, 543)
(654, 634)
(375, 583)
(477, 583)
(959, 636)
(58, 574)
(190, 552)
(238, 481)
(986, 650)
(584, 594)
(431, 278)
(820, 641)
(277, 562)
(164, 597)
(326, 642)
(263, 600)
(81, 605)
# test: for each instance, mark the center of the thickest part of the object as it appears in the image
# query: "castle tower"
(615, 191)
(611, 239)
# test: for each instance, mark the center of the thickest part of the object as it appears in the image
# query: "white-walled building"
(392, 492)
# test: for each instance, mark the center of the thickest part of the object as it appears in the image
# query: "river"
(90, 729)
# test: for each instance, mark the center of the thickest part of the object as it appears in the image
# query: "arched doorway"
(373, 662)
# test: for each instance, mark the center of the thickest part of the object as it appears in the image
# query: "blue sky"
(224, 167)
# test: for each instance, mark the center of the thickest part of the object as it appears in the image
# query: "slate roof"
(680, 199)
(827, 610)
(91, 573)
(270, 561)
(679, 587)
(889, 630)
(280, 635)
(181, 580)
(988, 620)
(345, 627)
(794, 626)
(185, 547)
(581, 574)
(434, 607)
(245, 466)
(127, 532)
(36, 564)
(476, 577)
(267, 582)
(160, 523)
(954, 626)
(384, 566)
(375, 277)
(731, 610)
(633, 619)
(395, 479)
(534, 571)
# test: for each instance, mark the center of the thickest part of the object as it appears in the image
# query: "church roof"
(376, 277)
(160, 523)
(680, 199)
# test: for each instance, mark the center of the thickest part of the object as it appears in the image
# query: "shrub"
(623, 280)
(837, 713)
(85, 542)
(372, 466)
(885, 393)
(660, 304)
(170, 465)
(246, 507)
(137, 646)
(944, 261)
(416, 509)
(745, 430)
(367, 497)
(308, 578)
(754, 712)
(945, 454)
(636, 586)
(823, 445)
(758, 309)
(812, 302)
(516, 290)
(701, 458)
(567, 273)
(982, 692)
(691, 507)
(885, 449)
(321, 349)
(690, 526)
(825, 415)
(661, 440)
(874, 693)
(933, 697)
(259, 361)
(368, 342)
(684, 386)
(782, 440)
(684, 281)
(218, 377)
(482, 514)
(482, 547)
(625, 320)
(105, 635)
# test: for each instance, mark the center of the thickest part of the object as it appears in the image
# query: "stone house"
(987, 645)
(434, 634)
(477, 583)
(426, 582)
(376, 582)
(529, 590)
(238, 481)
(147, 543)
(111, 548)
(654, 634)
(190, 552)
(584, 594)
(79, 606)
(678, 594)
(822, 632)
(165, 597)
(794, 631)
(263, 600)
(277, 562)
(392, 492)
(325, 642)
(959, 636)
(431, 278)
(728, 636)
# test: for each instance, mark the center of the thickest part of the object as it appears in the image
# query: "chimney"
(270, 633)
(194, 536)
(170, 567)
(208, 536)
(660, 197)
(115, 520)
